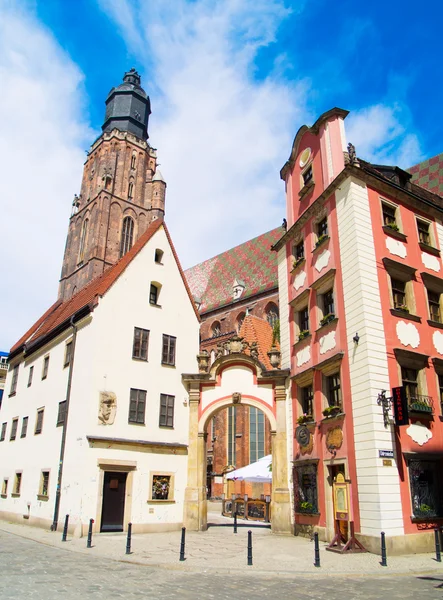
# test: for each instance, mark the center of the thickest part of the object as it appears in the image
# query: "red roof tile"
(60, 312)
(258, 330)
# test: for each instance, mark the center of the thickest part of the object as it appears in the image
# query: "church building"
(94, 420)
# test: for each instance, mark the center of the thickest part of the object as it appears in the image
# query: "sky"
(230, 83)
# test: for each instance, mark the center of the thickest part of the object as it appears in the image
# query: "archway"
(236, 378)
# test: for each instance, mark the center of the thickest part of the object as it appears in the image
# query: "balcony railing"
(419, 403)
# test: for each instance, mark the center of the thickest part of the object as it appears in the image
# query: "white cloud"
(41, 154)
(222, 136)
(379, 135)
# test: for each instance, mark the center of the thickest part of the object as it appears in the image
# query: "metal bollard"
(89, 542)
(437, 545)
(383, 550)
(182, 544)
(249, 548)
(316, 551)
(235, 522)
(65, 529)
(128, 539)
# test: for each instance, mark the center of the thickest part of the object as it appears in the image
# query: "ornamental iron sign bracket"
(400, 404)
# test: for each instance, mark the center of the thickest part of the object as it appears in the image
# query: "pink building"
(361, 285)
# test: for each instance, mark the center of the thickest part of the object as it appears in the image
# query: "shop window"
(426, 488)
(305, 488)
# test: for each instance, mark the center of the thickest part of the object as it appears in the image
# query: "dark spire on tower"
(128, 107)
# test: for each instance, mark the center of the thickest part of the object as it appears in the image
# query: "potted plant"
(297, 261)
(303, 334)
(420, 406)
(327, 319)
(321, 239)
(330, 411)
(306, 507)
(402, 307)
(392, 225)
(305, 418)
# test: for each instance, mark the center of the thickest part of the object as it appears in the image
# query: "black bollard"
(89, 543)
(182, 544)
(128, 539)
(383, 550)
(235, 522)
(65, 529)
(437, 545)
(249, 548)
(316, 551)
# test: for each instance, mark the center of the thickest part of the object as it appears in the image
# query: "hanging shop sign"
(400, 402)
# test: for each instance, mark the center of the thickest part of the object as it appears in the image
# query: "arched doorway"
(236, 378)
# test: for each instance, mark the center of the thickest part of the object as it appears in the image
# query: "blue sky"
(230, 83)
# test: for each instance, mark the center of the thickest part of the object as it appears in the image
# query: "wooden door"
(113, 509)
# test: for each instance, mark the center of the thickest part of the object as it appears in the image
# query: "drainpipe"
(64, 429)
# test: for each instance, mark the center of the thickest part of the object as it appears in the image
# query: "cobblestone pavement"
(32, 570)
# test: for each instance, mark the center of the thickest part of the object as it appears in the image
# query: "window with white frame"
(401, 287)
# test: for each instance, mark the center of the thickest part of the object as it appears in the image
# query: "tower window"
(130, 190)
(158, 256)
(127, 236)
(81, 251)
(133, 159)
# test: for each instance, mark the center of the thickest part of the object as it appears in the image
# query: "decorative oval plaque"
(334, 438)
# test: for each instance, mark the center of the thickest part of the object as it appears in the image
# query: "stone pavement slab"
(35, 571)
(220, 550)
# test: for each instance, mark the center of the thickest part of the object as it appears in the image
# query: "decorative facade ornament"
(236, 398)
(274, 357)
(220, 350)
(254, 350)
(303, 436)
(353, 160)
(235, 345)
(107, 408)
(203, 361)
(334, 439)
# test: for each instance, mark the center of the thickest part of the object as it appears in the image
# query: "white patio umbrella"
(257, 472)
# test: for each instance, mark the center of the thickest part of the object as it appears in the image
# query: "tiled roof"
(60, 312)
(253, 263)
(258, 330)
(429, 174)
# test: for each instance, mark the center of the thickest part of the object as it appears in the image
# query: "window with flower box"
(390, 215)
(161, 487)
(401, 289)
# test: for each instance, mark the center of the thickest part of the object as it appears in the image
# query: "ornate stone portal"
(217, 389)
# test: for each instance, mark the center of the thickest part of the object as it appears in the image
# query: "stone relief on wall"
(303, 356)
(430, 262)
(322, 260)
(408, 334)
(396, 247)
(107, 408)
(327, 342)
(419, 433)
(437, 338)
(299, 280)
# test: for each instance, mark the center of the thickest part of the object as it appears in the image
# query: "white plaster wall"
(378, 486)
(103, 361)
(33, 453)
(237, 379)
(284, 309)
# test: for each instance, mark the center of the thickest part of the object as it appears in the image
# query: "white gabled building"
(95, 386)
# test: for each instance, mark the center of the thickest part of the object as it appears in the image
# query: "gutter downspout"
(64, 429)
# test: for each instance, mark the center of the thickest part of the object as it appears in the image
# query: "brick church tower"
(122, 190)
